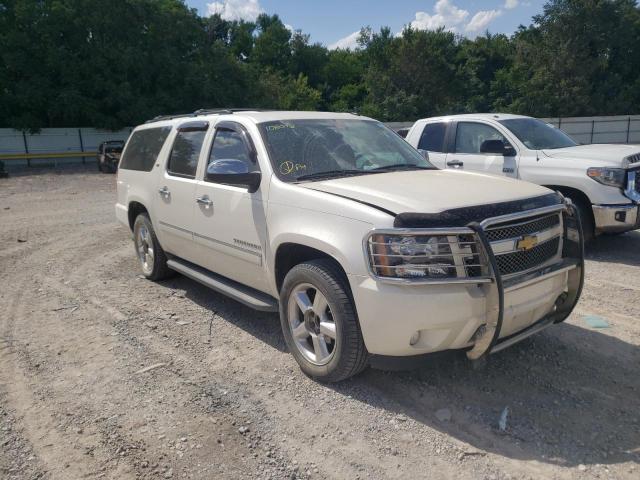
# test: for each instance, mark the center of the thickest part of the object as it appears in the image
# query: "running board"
(243, 294)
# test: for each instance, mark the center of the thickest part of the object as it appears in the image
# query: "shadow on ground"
(623, 248)
(569, 390)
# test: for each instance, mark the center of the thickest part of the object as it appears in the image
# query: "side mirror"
(497, 147)
(233, 172)
(509, 151)
(424, 153)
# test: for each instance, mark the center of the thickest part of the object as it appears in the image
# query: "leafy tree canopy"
(114, 64)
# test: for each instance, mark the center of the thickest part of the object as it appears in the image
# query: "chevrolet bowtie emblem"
(527, 242)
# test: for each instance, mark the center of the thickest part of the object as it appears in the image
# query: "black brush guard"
(487, 339)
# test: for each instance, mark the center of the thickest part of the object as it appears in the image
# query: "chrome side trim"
(219, 242)
(175, 227)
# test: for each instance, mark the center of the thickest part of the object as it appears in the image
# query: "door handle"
(204, 200)
(455, 164)
(164, 191)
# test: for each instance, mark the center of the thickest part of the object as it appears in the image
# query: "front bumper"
(404, 319)
(616, 218)
(446, 316)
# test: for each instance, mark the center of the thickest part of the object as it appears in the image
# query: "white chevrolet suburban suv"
(603, 181)
(365, 249)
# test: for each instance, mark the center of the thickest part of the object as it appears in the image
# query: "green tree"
(580, 57)
(271, 48)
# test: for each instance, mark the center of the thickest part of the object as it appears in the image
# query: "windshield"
(313, 149)
(538, 135)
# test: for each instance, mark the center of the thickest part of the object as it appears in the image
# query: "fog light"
(414, 338)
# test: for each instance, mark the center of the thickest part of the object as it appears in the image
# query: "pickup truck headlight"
(613, 177)
(428, 257)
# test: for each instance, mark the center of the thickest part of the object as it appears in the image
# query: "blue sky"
(334, 22)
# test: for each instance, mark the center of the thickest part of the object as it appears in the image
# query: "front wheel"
(585, 213)
(319, 322)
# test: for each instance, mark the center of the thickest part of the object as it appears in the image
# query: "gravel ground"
(104, 374)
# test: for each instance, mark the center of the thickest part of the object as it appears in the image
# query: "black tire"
(156, 269)
(586, 218)
(350, 355)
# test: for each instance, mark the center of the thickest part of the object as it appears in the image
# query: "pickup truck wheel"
(586, 219)
(319, 322)
(153, 260)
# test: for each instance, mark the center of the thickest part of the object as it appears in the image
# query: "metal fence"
(67, 145)
(615, 129)
(54, 145)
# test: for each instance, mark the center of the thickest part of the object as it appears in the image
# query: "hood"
(605, 155)
(428, 191)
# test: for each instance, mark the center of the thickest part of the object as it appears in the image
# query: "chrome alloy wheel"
(311, 324)
(144, 247)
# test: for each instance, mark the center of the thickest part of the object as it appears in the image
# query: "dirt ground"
(104, 374)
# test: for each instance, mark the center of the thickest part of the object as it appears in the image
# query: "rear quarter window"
(143, 148)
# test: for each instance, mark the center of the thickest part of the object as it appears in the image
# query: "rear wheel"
(319, 322)
(153, 260)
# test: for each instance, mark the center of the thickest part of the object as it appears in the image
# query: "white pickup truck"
(365, 249)
(602, 180)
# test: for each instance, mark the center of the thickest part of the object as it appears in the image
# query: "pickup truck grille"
(526, 244)
(634, 158)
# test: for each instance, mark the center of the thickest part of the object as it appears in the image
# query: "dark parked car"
(109, 155)
(402, 132)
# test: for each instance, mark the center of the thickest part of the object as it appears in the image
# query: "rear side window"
(143, 148)
(183, 161)
(432, 138)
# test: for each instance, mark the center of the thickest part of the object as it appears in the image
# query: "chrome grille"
(634, 158)
(525, 260)
(512, 256)
(527, 227)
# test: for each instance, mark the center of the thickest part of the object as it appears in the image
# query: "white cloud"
(236, 9)
(348, 42)
(445, 14)
(482, 19)
(510, 4)
(454, 19)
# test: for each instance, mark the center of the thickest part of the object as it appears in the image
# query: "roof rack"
(206, 111)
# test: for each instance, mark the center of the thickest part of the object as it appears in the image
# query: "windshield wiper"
(332, 173)
(400, 166)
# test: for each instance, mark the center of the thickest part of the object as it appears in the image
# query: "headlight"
(613, 177)
(415, 256)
